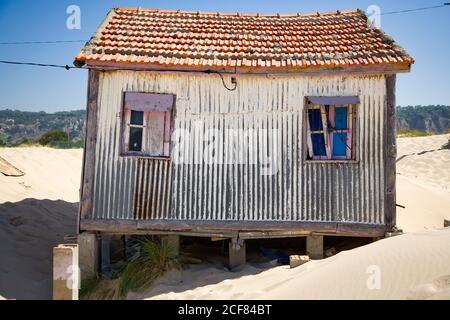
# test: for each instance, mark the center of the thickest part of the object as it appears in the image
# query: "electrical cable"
(67, 67)
(233, 80)
(413, 10)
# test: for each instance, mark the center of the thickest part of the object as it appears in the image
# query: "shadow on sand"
(29, 229)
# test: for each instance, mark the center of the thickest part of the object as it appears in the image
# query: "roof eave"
(392, 68)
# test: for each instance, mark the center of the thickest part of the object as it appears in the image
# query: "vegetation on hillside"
(53, 136)
(21, 128)
(431, 119)
(413, 133)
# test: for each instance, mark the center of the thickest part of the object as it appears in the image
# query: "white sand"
(49, 174)
(431, 168)
(29, 229)
(423, 183)
(32, 221)
(426, 206)
(414, 265)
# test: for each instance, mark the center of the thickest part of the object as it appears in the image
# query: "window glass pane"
(315, 120)
(135, 143)
(318, 143)
(137, 117)
(341, 114)
(339, 144)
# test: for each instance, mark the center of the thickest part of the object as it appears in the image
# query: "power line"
(413, 10)
(42, 42)
(67, 67)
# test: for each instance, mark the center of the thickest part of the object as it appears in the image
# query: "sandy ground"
(411, 266)
(422, 160)
(49, 174)
(29, 229)
(38, 209)
(423, 182)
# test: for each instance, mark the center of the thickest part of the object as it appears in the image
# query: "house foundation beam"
(236, 253)
(88, 247)
(314, 246)
(106, 256)
(173, 242)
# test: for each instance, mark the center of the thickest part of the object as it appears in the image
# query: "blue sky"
(425, 35)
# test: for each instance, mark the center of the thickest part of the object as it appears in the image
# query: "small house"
(240, 126)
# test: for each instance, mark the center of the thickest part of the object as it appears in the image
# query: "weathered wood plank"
(247, 230)
(9, 170)
(87, 179)
(390, 153)
(312, 71)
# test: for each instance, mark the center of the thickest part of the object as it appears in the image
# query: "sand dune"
(410, 266)
(426, 206)
(49, 174)
(36, 211)
(422, 160)
(423, 182)
(29, 229)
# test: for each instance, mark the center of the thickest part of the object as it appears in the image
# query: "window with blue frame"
(330, 131)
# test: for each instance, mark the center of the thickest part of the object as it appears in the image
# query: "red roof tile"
(165, 38)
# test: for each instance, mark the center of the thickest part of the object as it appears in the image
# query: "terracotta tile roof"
(202, 40)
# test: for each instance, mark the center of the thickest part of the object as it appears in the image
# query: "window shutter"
(167, 133)
(155, 134)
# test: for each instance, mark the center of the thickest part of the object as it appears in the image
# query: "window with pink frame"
(330, 129)
(147, 124)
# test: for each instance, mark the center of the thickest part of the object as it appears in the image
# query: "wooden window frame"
(352, 134)
(125, 131)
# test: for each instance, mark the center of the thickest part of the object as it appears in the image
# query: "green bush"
(53, 135)
(74, 144)
(22, 143)
(3, 139)
(413, 133)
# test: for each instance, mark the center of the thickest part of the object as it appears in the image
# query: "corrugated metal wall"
(346, 192)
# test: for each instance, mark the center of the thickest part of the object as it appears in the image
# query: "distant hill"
(18, 125)
(432, 119)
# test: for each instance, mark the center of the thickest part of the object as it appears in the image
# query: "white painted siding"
(346, 192)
